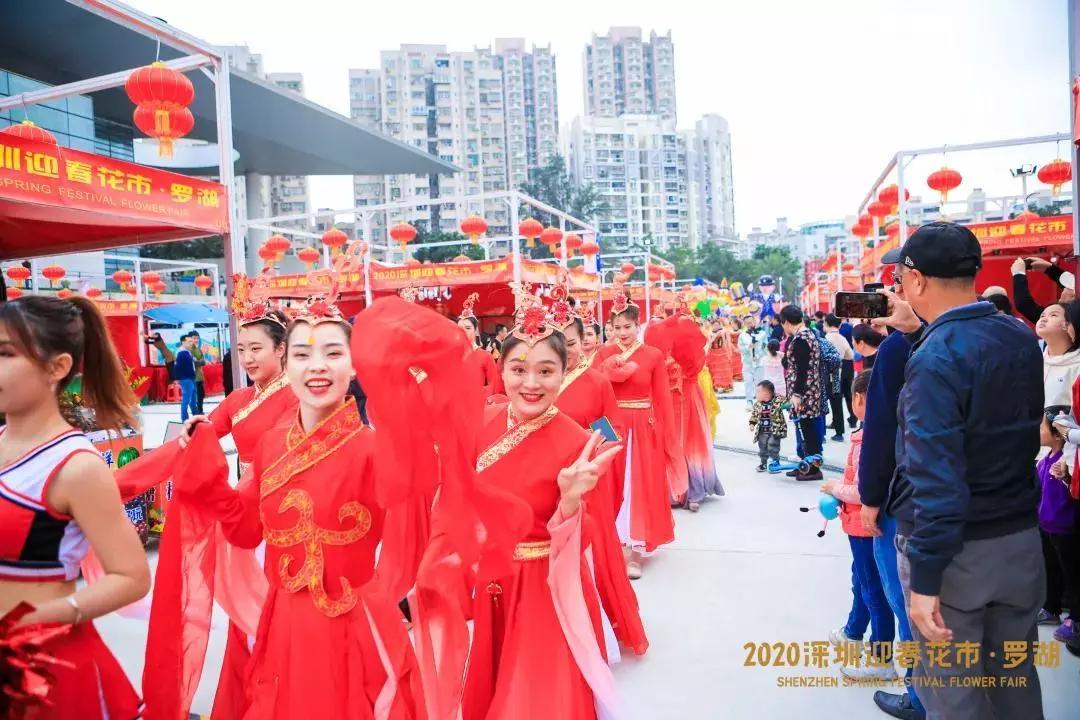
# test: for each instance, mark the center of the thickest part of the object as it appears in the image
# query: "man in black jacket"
(965, 494)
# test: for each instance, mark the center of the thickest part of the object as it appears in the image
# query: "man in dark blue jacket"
(965, 494)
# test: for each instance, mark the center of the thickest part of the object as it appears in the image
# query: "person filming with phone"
(965, 496)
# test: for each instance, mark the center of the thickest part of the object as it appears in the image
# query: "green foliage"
(442, 254)
(210, 248)
(714, 263)
(552, 185)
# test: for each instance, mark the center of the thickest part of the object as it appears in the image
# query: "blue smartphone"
(604, 426)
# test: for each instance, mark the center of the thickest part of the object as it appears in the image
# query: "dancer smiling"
(640, 380)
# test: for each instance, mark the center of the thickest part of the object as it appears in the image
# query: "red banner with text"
(46, 174)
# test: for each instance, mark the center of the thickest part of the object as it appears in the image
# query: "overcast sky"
(819, 94)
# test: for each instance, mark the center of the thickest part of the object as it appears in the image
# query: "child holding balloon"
(869, 604)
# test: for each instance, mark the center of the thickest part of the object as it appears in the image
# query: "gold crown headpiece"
(251, 302)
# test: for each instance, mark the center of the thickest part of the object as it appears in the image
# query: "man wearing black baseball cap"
(964, 494)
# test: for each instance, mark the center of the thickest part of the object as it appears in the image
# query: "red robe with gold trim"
(639, 376)
(587, 398)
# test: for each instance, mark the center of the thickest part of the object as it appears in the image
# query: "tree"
(443, 254)
(552, 186)
(778, 262)
(711, 262)
(210, 248)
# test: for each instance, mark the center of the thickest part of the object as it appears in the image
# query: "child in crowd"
(774, 367)
(869, 605)
(1057, 522)
(768, 423)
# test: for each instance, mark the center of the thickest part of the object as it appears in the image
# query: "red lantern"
(867, 220)
(334, 238)
(157, 287)
(1026, 216)
(14, 293)
(530, 229)
(150, 277)
(204, 282)
(878, 210)
(64, 294)
(133, 290)
(890, 195)
(473, 227)
(309, 255)
(279, 244)
(627, 268)
(944, 181)
(590, 249)
(161, 95)
(93, 292)
(122, 277)
(1055, 175)
(551, 237)
(268, 255)
(52, 273)
(27, 130)
(403, 234)
(572, 242)
(164, 124)
(861, 231)
(462, 258)
(18, 273)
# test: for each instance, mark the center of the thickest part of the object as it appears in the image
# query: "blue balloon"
(829, 507)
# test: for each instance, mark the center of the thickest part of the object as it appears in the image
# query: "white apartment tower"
(639, 165)
(711, 182)
(493, 114)
(289, 193)
(626, 76)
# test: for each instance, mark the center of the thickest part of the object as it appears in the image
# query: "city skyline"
(804, 88)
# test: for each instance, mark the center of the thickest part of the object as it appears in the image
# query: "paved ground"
(747, 569)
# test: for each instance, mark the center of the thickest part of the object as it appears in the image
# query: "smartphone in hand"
(603, 425)
(861, 305)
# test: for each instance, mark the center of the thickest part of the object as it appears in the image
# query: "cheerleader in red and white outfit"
(58, 499)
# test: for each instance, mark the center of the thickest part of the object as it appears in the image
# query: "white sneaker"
(887, 672)
(837, 638)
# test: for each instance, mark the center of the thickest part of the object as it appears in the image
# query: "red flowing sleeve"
(665, 414)
(221, 416)
(187, 562)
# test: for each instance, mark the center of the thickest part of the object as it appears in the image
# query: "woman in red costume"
(535, 651)
(719, 359)
(248, 414)
(688, 349)
(57, 500)
(733, 330)
(638, 373)
(479, 357)
(329, 642)
(586, 396)
(590, 336)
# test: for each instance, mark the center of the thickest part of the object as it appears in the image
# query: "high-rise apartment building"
(625, 75)
(289, 193)
(638, 163)
(711, 181)
(493, 114)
